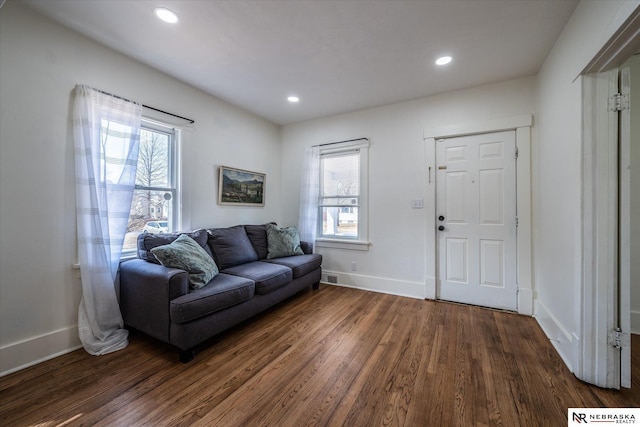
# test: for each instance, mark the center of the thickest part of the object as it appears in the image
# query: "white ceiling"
(337, 56)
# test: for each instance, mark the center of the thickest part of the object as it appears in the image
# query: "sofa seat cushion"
(223, 291)
(267, 276)
(299, 264)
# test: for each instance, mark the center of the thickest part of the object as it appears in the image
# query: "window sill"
(354, 245)
(126, 256)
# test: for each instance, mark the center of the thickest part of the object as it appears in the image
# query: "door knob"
(441, 228)
(441, 218)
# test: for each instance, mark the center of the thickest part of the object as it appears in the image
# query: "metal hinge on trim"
(517, 151)
(618, 102)
(516, 222)
(619, 339)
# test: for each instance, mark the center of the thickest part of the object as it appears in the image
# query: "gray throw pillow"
(148, 241)
(283, 241)
(186, 254)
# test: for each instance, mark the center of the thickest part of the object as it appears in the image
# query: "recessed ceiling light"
(293, 99)
(444, 60)
(166, 15)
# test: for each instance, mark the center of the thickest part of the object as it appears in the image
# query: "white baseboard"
(376, 284)
(562, 340)
(635, 322)
(29, 352)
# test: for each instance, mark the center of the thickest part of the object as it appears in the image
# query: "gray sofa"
(163, 303)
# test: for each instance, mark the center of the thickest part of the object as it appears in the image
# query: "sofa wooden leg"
(316, 285)
(186, 356)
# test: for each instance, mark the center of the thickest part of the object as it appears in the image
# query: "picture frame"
(238, 187)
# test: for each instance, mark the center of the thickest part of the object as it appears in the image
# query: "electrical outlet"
(417, 203)
(354, 266)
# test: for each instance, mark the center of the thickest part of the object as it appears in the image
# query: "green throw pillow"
(282, 241)
(186, 254)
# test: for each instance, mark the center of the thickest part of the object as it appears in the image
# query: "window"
(342, 200)
(154, 205)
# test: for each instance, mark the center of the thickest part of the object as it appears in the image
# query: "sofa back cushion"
(258, 236)
(231, 246)
(148, 241)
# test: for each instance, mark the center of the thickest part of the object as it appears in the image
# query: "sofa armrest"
(146, 290)
(307, 247)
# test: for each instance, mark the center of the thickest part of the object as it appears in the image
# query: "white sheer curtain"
(309, 191)
(107, 136)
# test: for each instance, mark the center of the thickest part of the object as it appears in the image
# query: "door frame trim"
(596, 363)
(624, 254)
(522, 126)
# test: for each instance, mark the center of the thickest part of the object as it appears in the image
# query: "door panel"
(491, 198)
(457, 202)
(476, 196)
(454, 154)
(491, 150)
(491, 258)
(457, 265)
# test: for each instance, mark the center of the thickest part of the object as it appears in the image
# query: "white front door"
(476, 219)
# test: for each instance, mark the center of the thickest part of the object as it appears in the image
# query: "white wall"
(634, 64)
(401, 253)
(557, 168)
(40, 63)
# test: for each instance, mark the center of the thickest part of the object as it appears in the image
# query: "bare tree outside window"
(152, 172)
(153, 198)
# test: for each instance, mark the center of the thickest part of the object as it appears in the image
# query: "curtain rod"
(341, 142)
(146, 106)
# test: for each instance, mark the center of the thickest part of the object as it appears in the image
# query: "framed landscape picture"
(238, 187)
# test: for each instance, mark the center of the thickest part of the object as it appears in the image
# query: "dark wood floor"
(333, 357)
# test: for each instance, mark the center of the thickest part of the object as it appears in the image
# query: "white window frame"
(362, 242)
(174, 176)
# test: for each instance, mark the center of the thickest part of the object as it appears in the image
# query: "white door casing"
(476, 199)
(604, 292)
(624, 293)
(597, 362)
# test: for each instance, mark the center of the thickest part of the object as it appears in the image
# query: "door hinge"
(517, 151)
(619, 339)
(618, 102)
(516, 222)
